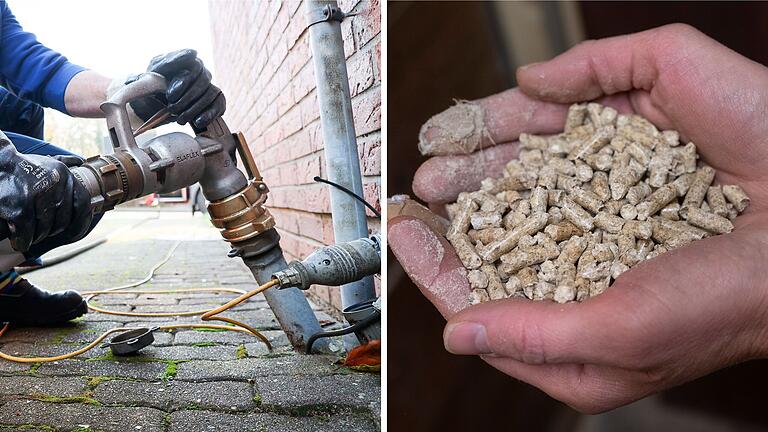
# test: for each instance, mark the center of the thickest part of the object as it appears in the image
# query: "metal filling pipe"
(341, 157)
(262, 253)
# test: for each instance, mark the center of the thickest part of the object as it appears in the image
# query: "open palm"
(667, 321)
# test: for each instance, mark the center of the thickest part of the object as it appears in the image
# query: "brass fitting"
(242, 216)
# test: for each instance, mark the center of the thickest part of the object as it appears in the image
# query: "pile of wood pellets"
(578, 209)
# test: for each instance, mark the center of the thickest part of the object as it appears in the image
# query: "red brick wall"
(263, 64)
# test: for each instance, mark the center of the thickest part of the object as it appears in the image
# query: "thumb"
(69, 160)
(538, 332)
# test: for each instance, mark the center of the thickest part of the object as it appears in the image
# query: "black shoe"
(26, 305)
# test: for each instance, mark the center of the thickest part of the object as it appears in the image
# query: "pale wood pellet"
(578, 209)
(709, 221)
(671, 211)
(716, 201)
(736, 196)
(486, 235)
(496, 290)
(698, 189)
(477, 279)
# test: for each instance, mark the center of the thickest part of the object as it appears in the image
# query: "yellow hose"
(205, 315)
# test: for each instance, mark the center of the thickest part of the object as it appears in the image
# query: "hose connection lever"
(334, 265)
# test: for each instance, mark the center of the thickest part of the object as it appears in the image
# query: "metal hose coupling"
(242, 216)
(334, 265)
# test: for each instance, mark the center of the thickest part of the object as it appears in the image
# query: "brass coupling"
(243, 215)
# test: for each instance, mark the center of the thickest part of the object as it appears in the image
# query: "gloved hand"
(190, 96)
(39, 198)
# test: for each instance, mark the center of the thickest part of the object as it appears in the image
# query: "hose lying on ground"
(205, 315)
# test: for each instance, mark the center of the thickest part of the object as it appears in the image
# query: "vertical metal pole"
(341, 157)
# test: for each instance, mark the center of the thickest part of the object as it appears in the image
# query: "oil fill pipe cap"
(131, 341)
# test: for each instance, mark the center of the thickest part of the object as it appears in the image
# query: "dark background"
(438, 52)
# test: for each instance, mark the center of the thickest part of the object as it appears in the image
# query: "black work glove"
(190, 96)
(39, 198)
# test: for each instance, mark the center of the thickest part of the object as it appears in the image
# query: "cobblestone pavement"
(189, 380)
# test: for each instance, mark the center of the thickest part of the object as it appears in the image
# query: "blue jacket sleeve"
(29, 69)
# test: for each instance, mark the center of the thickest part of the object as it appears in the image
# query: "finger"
(613, 65)
(63, 210)
(182, 81)
(168, 64)
(203, 103)
(22, 232)
(431, 263)
(82, 215)
(201, 84)
(216, 109)
(69, 160)
(440, 179)
(469, 126)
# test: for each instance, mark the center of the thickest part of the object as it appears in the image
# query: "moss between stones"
(210, 330)
(241, 352)
(85, 429)
(33, 369)
(205, 344)
(86, 398)
(275, 355)
(171, 369)
(93, 381)
(28, 426)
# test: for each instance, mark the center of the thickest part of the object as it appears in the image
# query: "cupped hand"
(667, 321)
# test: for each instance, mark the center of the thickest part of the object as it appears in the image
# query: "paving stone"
(147, 371)
(41, 334)
(23, 349)
(186, 352)
(27, 428)
(7, 367)
(30, 385)
(86, 331)
(122, 319)
(249, 368)
(218, 300)
(150, 299)
(259, 319)
(71, 416)
(173, 395)
(357, 390)
(196, 307)
(188, 337)
(184, 421)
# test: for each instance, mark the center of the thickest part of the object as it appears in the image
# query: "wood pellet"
(578, 209)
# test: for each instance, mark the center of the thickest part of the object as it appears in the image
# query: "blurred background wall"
(439, 52)
(264, 66)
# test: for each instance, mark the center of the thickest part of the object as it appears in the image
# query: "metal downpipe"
(341, 156)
